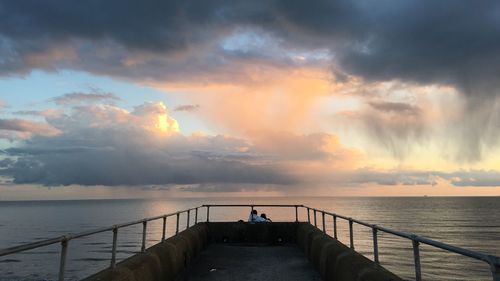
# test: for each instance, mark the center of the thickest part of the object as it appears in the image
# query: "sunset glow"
(246, 98)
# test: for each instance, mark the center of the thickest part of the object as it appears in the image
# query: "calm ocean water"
(473, 223)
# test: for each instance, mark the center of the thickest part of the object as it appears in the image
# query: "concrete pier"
(248, 251)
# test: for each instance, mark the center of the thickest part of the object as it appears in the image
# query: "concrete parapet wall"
(164, 261)
(336, 261)
(168, 260)
(244, 232)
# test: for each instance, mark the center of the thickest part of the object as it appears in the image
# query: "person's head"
(254, 212)
(263, 216)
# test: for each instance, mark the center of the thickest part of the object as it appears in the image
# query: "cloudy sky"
(126, 98)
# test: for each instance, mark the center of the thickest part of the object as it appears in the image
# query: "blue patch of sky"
(245, 41)
(34, 91)
(265, 44)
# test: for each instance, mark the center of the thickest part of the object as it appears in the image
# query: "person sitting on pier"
(266, 219)
(254, 217)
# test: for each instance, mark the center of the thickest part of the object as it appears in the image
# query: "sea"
(469, 222)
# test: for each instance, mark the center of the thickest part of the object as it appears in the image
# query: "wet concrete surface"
(225, 262)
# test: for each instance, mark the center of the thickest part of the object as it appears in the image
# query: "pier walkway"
(224, 262)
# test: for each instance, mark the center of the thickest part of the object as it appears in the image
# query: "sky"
(121, 99)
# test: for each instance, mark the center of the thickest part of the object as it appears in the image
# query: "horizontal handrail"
(67, 237)
(427, 241)
(251, 205)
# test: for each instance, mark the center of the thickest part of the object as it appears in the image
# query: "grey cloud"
(113, 168)
(84, 98)
(402, 177)
(187, 107)
(27, 126)
(366, 176)
(475, 178)
(124, 151)
(396, 107)
(39, 113)
(5, 163)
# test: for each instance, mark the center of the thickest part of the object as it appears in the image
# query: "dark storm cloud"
(152, 25)
(120, 167)
(453, 42)
(450, 42)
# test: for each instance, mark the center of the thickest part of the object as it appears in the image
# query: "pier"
(299, 249)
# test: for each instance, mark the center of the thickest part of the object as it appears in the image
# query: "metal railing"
(65, 239)
(252, 206)
(493, 261)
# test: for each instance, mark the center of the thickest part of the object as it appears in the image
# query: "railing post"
(196, 216)
(315, 224)
(113, 248)
(251, 213)
(308, 215)
(375, 244)
(296, 213)
(495, 268)
(64, 252)
(164, 229)
(335, 226)
(144, 229)
(416, 257)
(323, 218)
(187, 220)
(177, 224)
(208, 213)
(351, 234)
